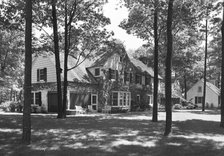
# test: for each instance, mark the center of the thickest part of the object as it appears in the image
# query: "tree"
(27, 84)
(156, 51)
(168, 84)
(83, 34)
(57, 57)
(222, 77)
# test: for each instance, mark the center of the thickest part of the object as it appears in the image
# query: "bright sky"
(116, 15)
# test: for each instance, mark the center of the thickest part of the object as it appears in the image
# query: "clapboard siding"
(44, 62)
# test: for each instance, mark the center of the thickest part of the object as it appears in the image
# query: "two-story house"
(113, 80)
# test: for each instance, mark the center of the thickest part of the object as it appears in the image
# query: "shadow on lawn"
(109, 135)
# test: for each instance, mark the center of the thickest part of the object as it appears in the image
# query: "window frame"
(97, 72)
(199, 89)
(123, 98)
(42, 74)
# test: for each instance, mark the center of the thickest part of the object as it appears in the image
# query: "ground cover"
(133, 134)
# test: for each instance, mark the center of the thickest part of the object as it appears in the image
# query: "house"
(113, 80)
(195, 94)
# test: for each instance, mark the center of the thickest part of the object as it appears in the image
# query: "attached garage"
(52, 102)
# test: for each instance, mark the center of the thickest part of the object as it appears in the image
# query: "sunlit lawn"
(133, 134)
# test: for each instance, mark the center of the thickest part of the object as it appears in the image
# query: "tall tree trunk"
(65, 86)
(205, 62)
(155, 93)
(185, 86)
(168, 86)
(222, 76)
(26, 137)
(57, 58)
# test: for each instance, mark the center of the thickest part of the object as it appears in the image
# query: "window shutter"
(40, 101)
(109, 74)
(38, 75)
(116, 75)
(45, 74)
(125, 76)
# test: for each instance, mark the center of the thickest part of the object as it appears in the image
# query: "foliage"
(11, 106)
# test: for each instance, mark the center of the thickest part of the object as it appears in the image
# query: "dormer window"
(42, 74)
(97, 71)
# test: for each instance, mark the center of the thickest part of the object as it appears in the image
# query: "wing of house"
(113, 80)
(195, 94)
(81, 84)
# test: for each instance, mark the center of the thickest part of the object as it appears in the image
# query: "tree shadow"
(122, 134)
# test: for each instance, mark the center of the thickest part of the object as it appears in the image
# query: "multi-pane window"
(36, 98)
(121, 98)
(97, 71)
(198, 99)
(94, 101)
(42, 74)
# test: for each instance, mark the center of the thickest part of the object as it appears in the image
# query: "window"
(124, 99)
(97, 71)
(115, 99)
(138, 98)
(42, 74)
(36, 98)
(93, 99)
(121, 98)
(138, 79)
(150, 99)
(199, 89)
(198, 99)
(112, 74)
(147, 80)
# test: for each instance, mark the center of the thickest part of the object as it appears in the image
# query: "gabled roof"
(213, 87)
(78, 74)
(144, 68)
(102, 59)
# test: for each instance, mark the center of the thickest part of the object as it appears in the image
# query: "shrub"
(212, 105)
(35, 108)
(177, 106)
(11, 106)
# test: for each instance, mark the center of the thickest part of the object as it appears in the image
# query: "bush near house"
(11, 106)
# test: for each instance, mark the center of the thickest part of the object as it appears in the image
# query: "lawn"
(132, 134)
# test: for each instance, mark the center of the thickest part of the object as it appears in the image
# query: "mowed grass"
(132, 134)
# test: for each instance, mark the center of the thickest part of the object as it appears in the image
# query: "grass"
(131, 134)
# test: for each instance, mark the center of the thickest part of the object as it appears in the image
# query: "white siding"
(211, 96)
(40, 63)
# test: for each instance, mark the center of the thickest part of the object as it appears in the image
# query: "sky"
(116, 15)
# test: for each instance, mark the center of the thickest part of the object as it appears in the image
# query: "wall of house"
(44, 62)
(211, 96)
